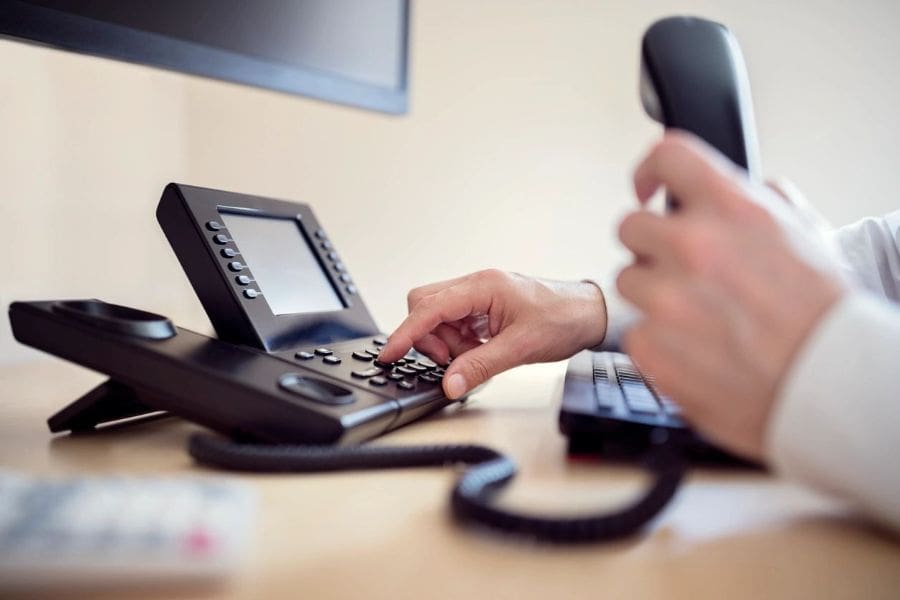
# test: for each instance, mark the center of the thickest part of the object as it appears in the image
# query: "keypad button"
(351, 289)
(331, 360)
(236, 266)
(243, 280)
(303, 355)
(427, 363)
(406, 385)
(361, 355)
(405, 371)
(213, 225)
(378, 380)
(383, 365)
(251, 293)
(396, 376)
(379, 341)
(372, 353)
(372, 372)
(415, 367)
(410, 359)
(323, 351)
(221, 239)
(428, 378)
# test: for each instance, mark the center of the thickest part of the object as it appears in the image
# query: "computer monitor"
(348, 51)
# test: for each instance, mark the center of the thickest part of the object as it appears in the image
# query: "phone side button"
(314, 389)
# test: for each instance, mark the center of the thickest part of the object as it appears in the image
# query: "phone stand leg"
(108, 402)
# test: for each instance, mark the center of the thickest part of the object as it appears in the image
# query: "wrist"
(593, 316)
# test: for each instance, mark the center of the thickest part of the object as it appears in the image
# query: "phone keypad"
(412, 373)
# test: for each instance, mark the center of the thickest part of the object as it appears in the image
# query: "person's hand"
(727, 301)
(491, 321)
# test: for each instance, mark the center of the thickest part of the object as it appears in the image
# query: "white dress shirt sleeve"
(836, 424)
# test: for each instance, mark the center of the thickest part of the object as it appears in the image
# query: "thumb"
(475, 366)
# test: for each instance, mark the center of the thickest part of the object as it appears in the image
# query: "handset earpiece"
(693, 78)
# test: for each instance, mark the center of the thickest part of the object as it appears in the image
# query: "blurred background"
(524, 125)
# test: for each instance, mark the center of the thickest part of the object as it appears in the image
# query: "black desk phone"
(295, 355)
(293, 379)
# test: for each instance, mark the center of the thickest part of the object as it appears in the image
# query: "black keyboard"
(609, 407)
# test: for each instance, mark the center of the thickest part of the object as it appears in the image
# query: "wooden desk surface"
(388, 534)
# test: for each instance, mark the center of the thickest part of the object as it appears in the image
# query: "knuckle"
(413, 297)
(478, 370)
(698, 249)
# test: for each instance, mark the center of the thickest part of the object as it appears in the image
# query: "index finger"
(689, 169)
(448, 305)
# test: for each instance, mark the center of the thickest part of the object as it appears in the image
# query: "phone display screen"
(287, 271)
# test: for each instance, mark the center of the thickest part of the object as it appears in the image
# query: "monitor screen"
(287, 271)
(351, 51)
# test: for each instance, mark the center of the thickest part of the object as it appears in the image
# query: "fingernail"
(456, 386)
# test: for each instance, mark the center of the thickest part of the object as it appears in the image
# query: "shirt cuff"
(836, 423)
(620, 315)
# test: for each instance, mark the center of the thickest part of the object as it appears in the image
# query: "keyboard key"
(639, 399)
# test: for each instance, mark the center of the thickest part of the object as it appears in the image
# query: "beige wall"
(516, 153)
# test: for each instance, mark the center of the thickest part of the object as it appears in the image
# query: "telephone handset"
(693, 78)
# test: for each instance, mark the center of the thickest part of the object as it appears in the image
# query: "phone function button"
(251, 293)
(331, 360)
(213, 225)
(317, 390)
(339, 267)
(303, 355)
(428, 378)
(405, 370)
(324, 352)
(378, 380)
(332, 256)
(345, 278)
(326, 245)
(406, 385)
(361, 355)
(228, 252)
(236, 266)
(371, 372)
(351, 289)
(379, 341)
(320, 233)
(396, 376)
(243, 280)
(221, 239)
